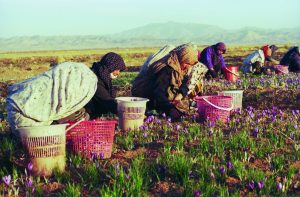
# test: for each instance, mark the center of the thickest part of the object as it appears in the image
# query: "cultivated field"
(256, 152)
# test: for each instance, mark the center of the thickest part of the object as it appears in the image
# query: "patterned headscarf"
(108, 63)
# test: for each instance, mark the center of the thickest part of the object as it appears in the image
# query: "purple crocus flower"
(227, 120)
(296, 126)
(197, 193)
(94, 156)
(145, 134)
(251, 115)
(222, 170)
(164, 115)
(286, 86)
(211, 124)
(212, 175)
(29, 166)
(279, 186)
(28, 182)
(229, 165)
(151, 118)
(255, 132)
(141, 128)
(260, 184)
(194, 117)
(144, 127)
(185, 130)
(289, 80)
(169, 120)
(127, 176)
(6, 180)
(177, 127)
(280, 111)
(251, 185)
(292, 135)
(101, 155)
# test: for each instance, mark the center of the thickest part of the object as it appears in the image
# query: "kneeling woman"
(106, 69)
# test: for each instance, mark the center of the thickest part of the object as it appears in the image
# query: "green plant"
(61, 177)
(278, 162)
(179, 167)
(71, 189)
(76, 160)
(90, 174)
(127, 141)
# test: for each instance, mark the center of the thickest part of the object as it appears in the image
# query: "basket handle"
(74, 125)
(236, 74)
(221, 108)
(283, 71)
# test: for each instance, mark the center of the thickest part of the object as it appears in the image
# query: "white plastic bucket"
(46, 147)
(237, 97)
(131, 112)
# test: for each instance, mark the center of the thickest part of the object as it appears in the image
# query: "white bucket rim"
(44, 126)
(40, 131)
(131, 99)
(232, 91)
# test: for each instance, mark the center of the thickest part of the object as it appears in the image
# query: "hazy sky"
(98, 17)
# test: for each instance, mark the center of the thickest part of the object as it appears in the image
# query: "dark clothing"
(103, 101)
(273, 48)
(164, 81)
(212, 60)
(292, 60)
(160, 87)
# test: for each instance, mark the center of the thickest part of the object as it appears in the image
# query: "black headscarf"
(108, 63)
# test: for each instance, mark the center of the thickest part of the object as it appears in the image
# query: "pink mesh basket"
(280, 69)
(214, 107)
(90, 138)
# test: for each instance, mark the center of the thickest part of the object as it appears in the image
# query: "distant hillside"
(156, 34)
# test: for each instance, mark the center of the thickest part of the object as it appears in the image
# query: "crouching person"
(63, 90)
(292, 59)
(107, 69)
(212, 57)
(256, 62)
(165, 83)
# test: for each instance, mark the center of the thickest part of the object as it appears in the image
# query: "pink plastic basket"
(214, 107)
(280, 69)
(90, 138)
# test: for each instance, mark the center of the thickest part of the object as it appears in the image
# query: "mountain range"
(155, 35)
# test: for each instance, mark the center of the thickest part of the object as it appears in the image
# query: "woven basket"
(92, 138)
(237, 97)
(280, 69)
(214, 108)
(46, 147)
